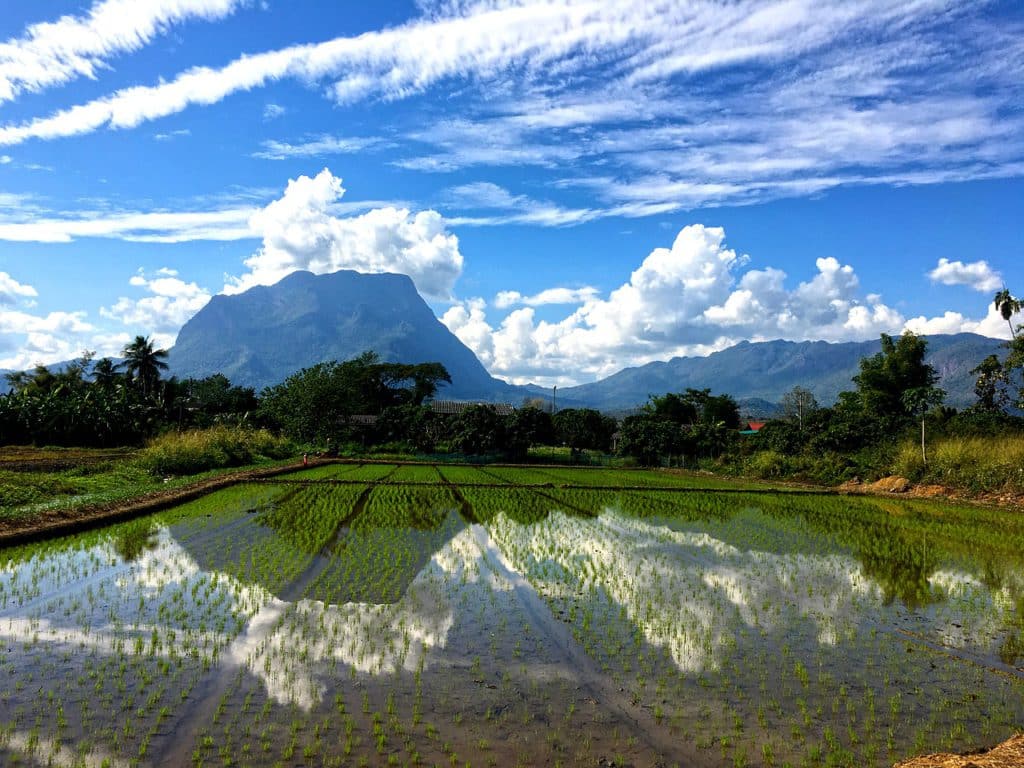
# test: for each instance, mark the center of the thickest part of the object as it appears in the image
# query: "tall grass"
(971, 463)
(197, 450)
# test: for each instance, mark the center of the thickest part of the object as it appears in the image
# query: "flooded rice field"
(387, 615)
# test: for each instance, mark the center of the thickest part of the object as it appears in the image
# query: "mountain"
(260, 337)
(766, 370)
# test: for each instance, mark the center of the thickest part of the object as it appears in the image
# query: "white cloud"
(27, 339)
(976, 274)
(322, 145)
(164, 227)
(992, 324)
(53, 53)
(506, 299)
(171, 135)
(273, 111)
(170, 304)
(692, 298)
(5, 159)
(300, 233)
(11, 291)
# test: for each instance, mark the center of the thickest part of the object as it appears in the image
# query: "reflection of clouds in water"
(284, 644)
(33, 750)
(372, 639)
(691, 593)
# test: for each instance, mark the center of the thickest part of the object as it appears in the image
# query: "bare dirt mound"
(892, 484)
(1009, 754)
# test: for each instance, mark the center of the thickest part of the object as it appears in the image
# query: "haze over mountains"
(259, 337)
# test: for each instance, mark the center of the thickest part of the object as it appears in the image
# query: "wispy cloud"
(171, 135)
(53, 53)
(317, 147)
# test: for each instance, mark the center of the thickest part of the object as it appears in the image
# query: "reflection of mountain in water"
(691, 593)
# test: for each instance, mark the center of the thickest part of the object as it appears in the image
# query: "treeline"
(894, 421)
(97, 403)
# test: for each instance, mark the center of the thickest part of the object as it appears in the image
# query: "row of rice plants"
(415, 473)
(453, 473)
(520, 504)
(310, 516)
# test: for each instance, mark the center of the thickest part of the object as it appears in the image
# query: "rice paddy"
(355, 615)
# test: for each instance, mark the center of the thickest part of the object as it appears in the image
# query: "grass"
(199, 450)
(975, 464)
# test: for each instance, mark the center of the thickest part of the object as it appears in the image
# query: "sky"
(574, 186)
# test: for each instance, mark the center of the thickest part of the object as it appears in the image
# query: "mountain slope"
(767, 370)
(260, 337)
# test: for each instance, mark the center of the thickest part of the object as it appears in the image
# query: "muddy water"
(507, 626)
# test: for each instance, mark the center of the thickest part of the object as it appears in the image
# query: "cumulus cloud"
(169, 304)
(11, 291)
(975, 274)
(27, 339)
(300, 232)
(692, 298)
(54, 53)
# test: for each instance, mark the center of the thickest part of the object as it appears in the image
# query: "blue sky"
(575, 186)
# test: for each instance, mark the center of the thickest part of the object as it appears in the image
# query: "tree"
(989, 384)
(104, 373)
(884, 378)
(918, 401)
(581, 428)
(478, 430)
(144, 364)
(797, 404)
(1008, 306)
(527, 427)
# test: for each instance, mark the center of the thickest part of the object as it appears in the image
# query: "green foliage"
(193, 451)
(885, 378)
(583, 428)
(315, 404)
(478, 430)
(526, 428)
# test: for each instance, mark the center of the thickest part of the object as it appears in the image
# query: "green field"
(412, 615)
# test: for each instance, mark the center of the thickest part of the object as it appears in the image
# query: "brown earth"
(1009, 754)
(900, 485)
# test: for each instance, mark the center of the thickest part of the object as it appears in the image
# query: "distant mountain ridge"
(767, 370)
(260, 337)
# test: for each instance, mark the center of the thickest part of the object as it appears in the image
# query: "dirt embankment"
(54, 522)
(1009, 754)
(901, 486)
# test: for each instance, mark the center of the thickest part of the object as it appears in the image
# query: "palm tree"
(1008, 306)
(143, 364)
(104, 373)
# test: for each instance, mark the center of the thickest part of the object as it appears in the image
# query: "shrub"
(198, 450)
(769, 465)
